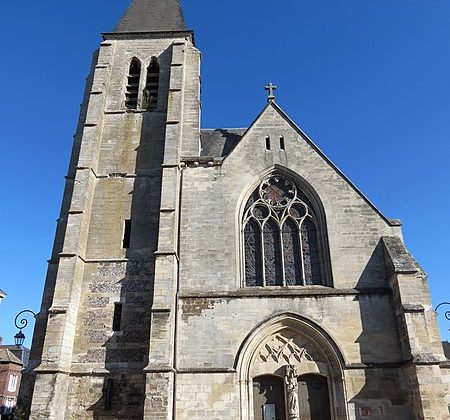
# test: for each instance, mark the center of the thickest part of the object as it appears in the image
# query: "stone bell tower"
(103, 345)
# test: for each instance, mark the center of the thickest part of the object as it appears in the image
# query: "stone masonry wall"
(362, 325)
(213, 199)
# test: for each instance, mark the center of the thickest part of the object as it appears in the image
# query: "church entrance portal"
(268, 398)
(292, 398)
(289, 369)
(314, 402)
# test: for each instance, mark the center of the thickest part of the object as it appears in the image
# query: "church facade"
(220, 274)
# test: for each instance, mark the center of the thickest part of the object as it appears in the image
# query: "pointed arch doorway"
(314, 397)
(271, 399)
(291, 370)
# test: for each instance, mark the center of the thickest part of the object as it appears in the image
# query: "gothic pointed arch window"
(132, 88)
(150, 96)
(281, 236)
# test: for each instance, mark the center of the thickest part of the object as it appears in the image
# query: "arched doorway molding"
(291, 339)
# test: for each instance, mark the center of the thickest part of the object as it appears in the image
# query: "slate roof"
(7, 356)
(219, 142)
(22, 353)
(446, 346)
(152, 16)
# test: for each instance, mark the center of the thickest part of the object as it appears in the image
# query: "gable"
(274, 123)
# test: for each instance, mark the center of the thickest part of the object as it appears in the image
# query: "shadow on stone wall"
(383, 393)
(128, 349)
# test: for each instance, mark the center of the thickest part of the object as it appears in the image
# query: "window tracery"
(280, 236)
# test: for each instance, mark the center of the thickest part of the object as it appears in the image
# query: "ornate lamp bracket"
(19, 338)
(446, 313)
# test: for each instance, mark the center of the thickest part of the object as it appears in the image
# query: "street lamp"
(19, 338)
(446, 313)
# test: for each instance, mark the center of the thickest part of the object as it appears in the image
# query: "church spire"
(152, 16)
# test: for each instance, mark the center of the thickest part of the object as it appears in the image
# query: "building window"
(109, 385)
(126, 241)
(268, 143)
(150, 97)
(132, 89)
(282, 143)
(9, 404)
(117, 318)
(12, 384)
(281, 236)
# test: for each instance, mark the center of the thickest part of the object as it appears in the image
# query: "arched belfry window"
(132, 88)
(281, 236)
(150, 97)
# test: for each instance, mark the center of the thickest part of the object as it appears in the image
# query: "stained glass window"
(272, 254)
(311, 261)
(281, 246)
(292, 253)
(253, 252)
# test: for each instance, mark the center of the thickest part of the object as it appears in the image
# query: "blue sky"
(369, 81)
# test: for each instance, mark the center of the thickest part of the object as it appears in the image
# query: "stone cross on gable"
(271, 88)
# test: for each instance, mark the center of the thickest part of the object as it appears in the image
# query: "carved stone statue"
(146, 99)
(291, 375)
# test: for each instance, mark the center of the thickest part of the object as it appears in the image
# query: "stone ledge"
(50, 368)
(426, 359)
(131, 111)
(200, 161)
(413, 308)
(75, 212)
(58, 310)
(363, 366)
(205, 370)
(151, 35)
(284, 292)
(160, 310)
(153, 368)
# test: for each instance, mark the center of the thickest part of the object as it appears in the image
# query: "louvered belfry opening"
(150, 100)
(132, 90)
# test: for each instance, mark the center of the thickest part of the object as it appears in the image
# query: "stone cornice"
(149, 35)
(283, 292)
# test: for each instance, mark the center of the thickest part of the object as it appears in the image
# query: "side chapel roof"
(152, 16)
(219, 142)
